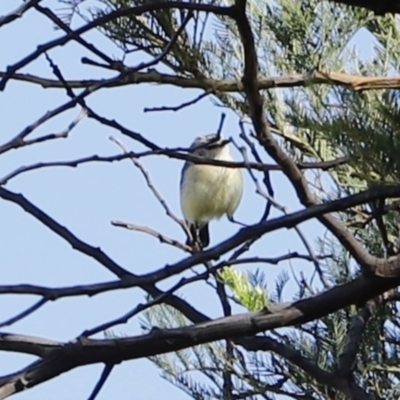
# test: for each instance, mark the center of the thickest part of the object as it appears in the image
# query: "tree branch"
(18, 13)
(354, 82)
(24, 313)
(64, 357)
(353, 341)
(329, 379)
(381, 267)
(103, 377)
(170, 153)
(77, 244)
(122, 12)
(289, 167)
(379, 8)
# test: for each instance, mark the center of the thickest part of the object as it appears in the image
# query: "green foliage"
(250, 295)
(182, 367)
(313, 123)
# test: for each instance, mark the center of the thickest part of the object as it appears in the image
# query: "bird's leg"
(200, 236)
(196, 236)
(189, 233)
(195, 240)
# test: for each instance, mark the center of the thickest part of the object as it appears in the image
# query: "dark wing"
(184, 169)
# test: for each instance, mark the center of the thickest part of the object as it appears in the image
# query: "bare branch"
(103, 377)
(289, 167)
(19, 140)
(382, 267)
(378, 8)
(77, 244)
(60, 24)
(159, 341)
(180, 106)
(52, 294)
(354, 82)
(146, 229)
(151, 186)
(27, 344)
(296, 358)
(12, 69)
(18, 13)
(274, 261)
(348, 356)
(158, 299)
(170, 153)
(271, 201)
(24, 313)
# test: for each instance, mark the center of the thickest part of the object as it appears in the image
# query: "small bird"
(209, 191)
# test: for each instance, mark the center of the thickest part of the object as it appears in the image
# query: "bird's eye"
(201, 152)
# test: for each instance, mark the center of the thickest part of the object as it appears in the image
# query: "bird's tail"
(200, 235)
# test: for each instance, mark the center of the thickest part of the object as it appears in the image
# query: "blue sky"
(87, 198)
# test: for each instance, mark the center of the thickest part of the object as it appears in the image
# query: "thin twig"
(275, 260)
(180, 106)
(103, 377)
(247, 245)
(60, 24)
(146, 229)
(151, 186)
(267, 178)
(24, 313)
(52, 294)
(18, 140)
(129, 11)
(170, 153)
(141, 307)
(281, 208)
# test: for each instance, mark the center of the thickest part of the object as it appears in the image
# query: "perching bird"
(208, 191)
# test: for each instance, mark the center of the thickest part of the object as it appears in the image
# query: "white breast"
(209, 192)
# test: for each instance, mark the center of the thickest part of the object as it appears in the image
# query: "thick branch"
(378, 7)
(289, 167)
(330, 379)
(27, 344)
(354, 82)
(18, 13)
(353, 341)
(60, 230)
(382, 267)
(64, 357)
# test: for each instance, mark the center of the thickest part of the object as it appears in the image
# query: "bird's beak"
(221, 141)
(218, 144)
(224, 142)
